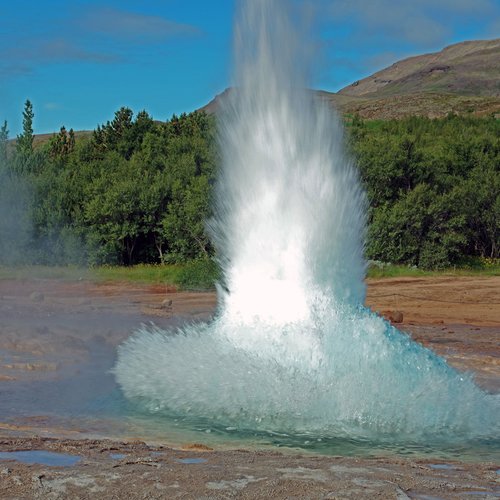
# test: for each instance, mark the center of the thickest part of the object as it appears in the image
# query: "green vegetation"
(137, 193)
(471, 267)
(198, 275)
(203, 274)
(4, 136)
(433, 188)
(25, 140)
(194, 275)
(140, 273)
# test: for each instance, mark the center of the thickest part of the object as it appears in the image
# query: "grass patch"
(394, 271)
(199, 275)
(194, 275)
(203, 274)
(476, 266)
(141, 273)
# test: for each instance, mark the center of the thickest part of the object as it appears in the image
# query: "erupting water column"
(292, 349)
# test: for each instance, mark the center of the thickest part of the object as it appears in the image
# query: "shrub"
(199, 275)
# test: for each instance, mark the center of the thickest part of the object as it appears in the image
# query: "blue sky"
(79, 61)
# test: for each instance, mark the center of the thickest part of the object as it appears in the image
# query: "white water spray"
(292, 349)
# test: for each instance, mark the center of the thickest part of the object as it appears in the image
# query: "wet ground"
(110, 469)
(58, 342)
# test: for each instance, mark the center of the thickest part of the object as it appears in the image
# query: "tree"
(71, 140)
(123, 134)
(480, 202)
(62, 144)
(4, 137)
(184, 220)
(114, 131)
(25, 140)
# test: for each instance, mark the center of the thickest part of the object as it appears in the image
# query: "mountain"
(463, 78)
(466, 68)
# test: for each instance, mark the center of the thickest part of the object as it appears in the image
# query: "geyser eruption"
(291, 348)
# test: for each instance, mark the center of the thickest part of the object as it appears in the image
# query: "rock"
(37, 296)
(396, 317)
(166, 304)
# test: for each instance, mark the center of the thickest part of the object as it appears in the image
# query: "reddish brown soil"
(457, 317)
(435, 301)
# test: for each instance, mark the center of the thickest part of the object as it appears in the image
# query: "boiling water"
(292, 350)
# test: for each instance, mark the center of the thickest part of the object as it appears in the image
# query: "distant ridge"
(463, 78)
(467, 68)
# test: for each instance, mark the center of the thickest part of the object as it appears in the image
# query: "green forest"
(137, 190)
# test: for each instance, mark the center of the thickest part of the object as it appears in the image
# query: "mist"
(21, 241)
(16, 227)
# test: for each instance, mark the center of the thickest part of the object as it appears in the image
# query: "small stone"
(37, 478)
(396, 317)
(166, 304)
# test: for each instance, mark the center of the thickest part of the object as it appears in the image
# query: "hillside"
(463, 78)
(41, 139)
(466, 68)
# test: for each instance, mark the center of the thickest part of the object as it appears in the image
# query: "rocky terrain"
(113, 470)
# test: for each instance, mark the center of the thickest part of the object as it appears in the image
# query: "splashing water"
(292, 349)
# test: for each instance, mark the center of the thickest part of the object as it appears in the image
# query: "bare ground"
(49, 330)
(110, 469)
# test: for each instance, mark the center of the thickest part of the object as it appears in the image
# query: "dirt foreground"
(109, 469)
(51, 331)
